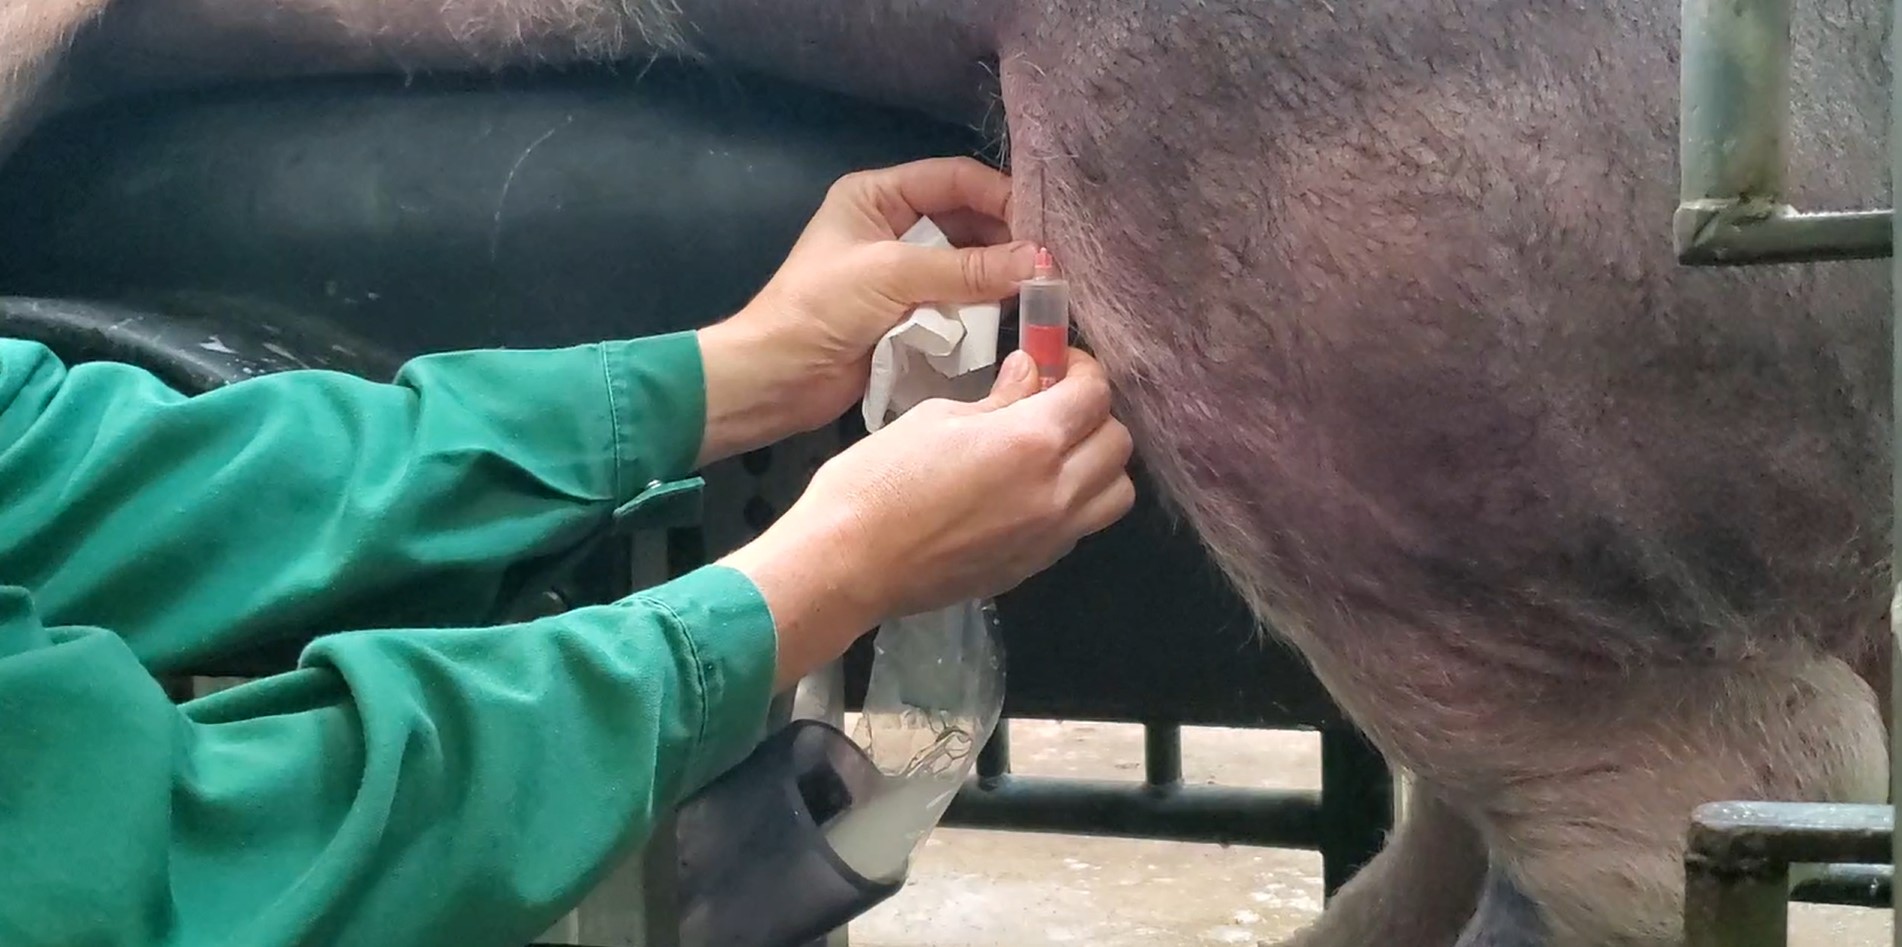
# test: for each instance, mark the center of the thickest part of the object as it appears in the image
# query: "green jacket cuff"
(734, 645)
(658, 398)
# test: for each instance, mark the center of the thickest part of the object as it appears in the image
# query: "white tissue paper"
(932, 354)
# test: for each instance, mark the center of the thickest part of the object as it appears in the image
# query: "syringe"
(1043, 318)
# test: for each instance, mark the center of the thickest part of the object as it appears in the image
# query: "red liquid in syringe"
(1043, 319)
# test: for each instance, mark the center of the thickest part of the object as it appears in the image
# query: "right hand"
(950, 502)
(957, 501)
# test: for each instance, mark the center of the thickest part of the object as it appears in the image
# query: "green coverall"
(410, 783)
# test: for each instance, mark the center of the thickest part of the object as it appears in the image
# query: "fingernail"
(1016, 368)
(1023, 256)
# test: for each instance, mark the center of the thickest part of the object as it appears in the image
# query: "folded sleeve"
(316, 501)
(403, 786)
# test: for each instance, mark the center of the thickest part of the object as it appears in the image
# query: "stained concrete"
(998, 889)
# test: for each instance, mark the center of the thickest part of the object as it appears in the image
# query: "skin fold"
(1582, 538)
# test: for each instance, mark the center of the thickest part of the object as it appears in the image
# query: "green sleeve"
(413, 787)
(317, 501)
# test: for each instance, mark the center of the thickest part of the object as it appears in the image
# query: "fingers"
(1016, 380)
(1096, 464)
(970, 203)
(913, 274)
(1105, 508)
(1076, 360)
(935, 186)
(1076, 405)
(968, 228)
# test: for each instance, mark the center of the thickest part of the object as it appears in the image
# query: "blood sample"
(1043, 319)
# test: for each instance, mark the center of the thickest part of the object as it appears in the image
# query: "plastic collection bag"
(816, 827)
(934, 697)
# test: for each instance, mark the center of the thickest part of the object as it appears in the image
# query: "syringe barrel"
(1043, 325)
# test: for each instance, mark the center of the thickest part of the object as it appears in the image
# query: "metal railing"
(1740, 866)
(1734, 128)
(1747, 861)
(1346, 821)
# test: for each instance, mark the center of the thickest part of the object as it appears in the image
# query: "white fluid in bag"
(933, 698)
(876, 837)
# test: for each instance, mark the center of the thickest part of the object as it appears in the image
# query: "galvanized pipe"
(1740, 235)
(1162, 755)
(1733, 138)
(1355, 781)
(1895, 496)
(993, 761)
(1213, 814)
(1734, 101)
(1855, 886)
(1738, 859)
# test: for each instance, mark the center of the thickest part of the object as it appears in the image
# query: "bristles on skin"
(34, 35)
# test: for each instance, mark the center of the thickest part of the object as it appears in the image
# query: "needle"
(1043, 204)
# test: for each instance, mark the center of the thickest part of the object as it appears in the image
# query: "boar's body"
(1581, 537)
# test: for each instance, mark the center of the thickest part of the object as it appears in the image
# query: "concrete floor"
(986, 889)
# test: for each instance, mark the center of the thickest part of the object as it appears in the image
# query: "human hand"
(974, 498)
(803, 345)
(950, 502)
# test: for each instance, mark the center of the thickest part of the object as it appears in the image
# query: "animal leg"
(1586, 817)
(1506, 917)
(1418, 891)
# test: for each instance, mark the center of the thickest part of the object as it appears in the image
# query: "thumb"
(1016, 380)
(973, 275)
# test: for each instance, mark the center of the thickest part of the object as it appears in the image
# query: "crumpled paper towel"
(932, 354)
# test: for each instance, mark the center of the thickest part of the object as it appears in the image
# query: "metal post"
(1733, 128)
(1734, 105)
(1355, 783)
(635, 903)
(1162, 755)
(818, 696)
(1739, 854)
(1895, 499)
(1744, 910)
(993, 760)
(821, 696)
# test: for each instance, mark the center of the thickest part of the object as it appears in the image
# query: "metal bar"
(1209, 814)
(1730, 836)
(1733, 139)
(1357, 806)
(1734, 99)
(637, 899)
(1734, 236)
(651, 560)
(1737, 864)
(993, 761)
(1855, 886)
(1162, 755)
(659, 921)
(1739, 911)
(1895, 496)
(821, 696)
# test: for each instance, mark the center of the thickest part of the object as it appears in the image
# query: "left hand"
(848, 280)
